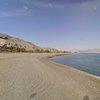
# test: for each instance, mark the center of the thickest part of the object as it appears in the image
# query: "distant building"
(10, 44)
(2, 42)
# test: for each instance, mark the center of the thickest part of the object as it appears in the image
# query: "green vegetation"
(12, 49)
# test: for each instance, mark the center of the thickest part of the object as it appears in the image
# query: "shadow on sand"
(87, 98)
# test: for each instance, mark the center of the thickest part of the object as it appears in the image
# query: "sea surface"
(88, 62)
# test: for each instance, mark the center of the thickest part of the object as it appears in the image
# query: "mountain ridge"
(13, 44)
(91, 51)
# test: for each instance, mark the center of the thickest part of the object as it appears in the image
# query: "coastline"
(80, 71)
(89, 77)
(37, 77)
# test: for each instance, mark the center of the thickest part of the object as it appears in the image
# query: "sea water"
(88, 62)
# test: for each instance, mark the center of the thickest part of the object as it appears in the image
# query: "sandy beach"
(36, 77)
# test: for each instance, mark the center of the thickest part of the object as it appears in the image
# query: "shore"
(36, 77)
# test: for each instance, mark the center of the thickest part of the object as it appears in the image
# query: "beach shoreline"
(79, 71)
(76, 71)
(35, 76)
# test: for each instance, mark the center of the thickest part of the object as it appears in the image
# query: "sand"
(36, 77)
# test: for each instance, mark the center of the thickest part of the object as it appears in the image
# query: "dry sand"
(35, 77)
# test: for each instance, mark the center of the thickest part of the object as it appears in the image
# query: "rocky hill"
(9, 43)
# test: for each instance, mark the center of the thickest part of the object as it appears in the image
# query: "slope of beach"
(36, 77)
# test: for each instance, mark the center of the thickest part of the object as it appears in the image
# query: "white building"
(2, 42)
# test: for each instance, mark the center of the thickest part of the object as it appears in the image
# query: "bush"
(12, 49)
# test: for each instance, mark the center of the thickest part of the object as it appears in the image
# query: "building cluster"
(2, 42)
(7, 43)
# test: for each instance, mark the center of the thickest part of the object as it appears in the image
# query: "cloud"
(25, 7)
(90, 6)
(13, 14)
(47, 5)
(61, 1)
(79, 1)
(56, 4)
(43, 4)
(94, 7)
(25, 11)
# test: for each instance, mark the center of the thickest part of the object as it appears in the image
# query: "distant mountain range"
(12, 44)
(90, 51)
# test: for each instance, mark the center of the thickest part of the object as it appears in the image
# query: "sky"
(61, 24)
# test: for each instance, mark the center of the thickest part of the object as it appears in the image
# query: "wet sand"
(36, 77)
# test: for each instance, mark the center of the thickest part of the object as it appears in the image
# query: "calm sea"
(88, 62)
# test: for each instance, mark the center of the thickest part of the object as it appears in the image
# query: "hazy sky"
(63, 24)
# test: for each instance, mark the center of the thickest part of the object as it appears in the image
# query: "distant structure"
(2, 42)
